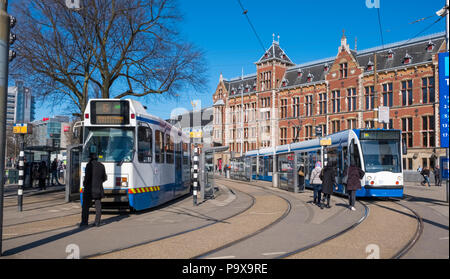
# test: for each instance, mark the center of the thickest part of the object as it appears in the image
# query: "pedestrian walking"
(354, 176)
(437, 176)
(93, 190)
(43, 172)
(426, 175)
(328, 176)
(316, 183)
(54, 171)
(35, 174)
(301, 177)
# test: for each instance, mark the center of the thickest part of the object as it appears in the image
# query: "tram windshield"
(381, 155)
(110, 144)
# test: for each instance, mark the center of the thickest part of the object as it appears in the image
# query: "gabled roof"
(275, 53)
(416, 49)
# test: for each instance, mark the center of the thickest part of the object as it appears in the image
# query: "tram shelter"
(207, 187)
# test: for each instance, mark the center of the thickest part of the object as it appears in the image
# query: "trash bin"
(228, 173)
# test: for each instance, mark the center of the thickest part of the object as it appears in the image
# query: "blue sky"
(309, 30)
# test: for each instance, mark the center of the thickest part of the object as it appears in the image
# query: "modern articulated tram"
(377, 152)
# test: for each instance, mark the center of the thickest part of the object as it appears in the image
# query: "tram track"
(168, 237)
(278, 220)
(310, 213)
(399, 254)
(415, 238)
(338, 242)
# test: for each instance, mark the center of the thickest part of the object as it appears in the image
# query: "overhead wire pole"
(4, 59)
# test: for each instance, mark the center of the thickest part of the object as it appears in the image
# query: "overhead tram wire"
(244, 11)
(425, 29)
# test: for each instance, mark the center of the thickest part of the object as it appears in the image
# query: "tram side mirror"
(404, 147)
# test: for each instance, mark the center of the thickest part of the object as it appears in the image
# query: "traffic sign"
(325, 142)
(22, 128)
(443, 98)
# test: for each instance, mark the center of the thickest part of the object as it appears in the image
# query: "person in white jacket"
(316, 183)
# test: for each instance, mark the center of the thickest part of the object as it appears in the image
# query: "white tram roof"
(336, 139)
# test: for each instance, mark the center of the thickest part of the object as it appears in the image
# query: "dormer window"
(310, 77)
(254, 86)
(246, 88)
(233, 90)
(390, 54)
(300, 73)
(430, 46)
(407, 59)
(370, 65)
(326, 67)
(284, 82)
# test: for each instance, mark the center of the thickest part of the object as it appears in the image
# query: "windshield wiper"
(123, 159)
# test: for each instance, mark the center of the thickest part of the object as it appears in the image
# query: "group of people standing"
(41, 171)
(323, 182)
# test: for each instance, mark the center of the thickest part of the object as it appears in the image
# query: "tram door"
(178, 169)
(286, 168)
(73, 172)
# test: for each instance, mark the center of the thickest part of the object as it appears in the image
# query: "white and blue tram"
(147, 160)
(378, 152)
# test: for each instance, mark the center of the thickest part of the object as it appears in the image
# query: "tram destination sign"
(380, 135)
(443, 98)
(110, 112)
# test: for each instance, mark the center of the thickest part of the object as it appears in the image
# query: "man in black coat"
(93, 189)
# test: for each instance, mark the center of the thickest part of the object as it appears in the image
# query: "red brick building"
(283, 102)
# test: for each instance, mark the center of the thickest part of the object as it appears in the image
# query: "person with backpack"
(426, 175)
(316, 183)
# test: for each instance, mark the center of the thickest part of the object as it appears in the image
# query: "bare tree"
(111, 48)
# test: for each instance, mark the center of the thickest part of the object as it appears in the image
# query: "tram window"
(159, 146)
(169, 149)
(185, 154)
(144, 144)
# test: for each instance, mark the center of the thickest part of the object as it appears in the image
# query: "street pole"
(446, 150)
(4, 59)
(21, 173)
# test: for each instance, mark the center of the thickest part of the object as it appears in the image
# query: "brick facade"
(284, 102)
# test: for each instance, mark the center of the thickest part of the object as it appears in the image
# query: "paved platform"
(48, 226)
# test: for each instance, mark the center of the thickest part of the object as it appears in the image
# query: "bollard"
(21, 174)
(195, 178)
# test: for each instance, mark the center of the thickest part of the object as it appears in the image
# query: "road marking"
(10, 234)
(224, 257)
(53, 210)
(273, 253)
(443, 238)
